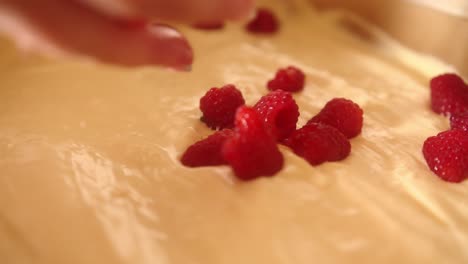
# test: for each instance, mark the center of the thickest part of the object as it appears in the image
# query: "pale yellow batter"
(89, 169)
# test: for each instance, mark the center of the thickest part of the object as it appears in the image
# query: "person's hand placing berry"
(114, 31)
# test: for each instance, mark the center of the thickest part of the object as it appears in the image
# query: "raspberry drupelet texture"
(447, 155)
(280, 113)
(207, 152)
(318, 143)
(290, 79)
(264, 22)
(219, 106)
(252, 152)
(449, 94)
(343, 114)
(459, 121)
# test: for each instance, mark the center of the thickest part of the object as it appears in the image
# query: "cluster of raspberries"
(247, 137)
(447, 153)
(251, 147)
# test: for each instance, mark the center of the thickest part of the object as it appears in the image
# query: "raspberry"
(280, 113)
(447, 155)
(289, 79)
(343, 114)
(209, 25)
(265, 22)
(252, 152)
(449, 94)
(459, 121)
(318, 143)
(219, 106)
(207, 152)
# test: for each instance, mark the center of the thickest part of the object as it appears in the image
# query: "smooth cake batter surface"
(89, 169)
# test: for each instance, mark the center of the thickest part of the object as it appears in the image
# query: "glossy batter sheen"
(89, 169)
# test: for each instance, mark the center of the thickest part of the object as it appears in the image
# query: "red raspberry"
(318, 143)
(265, 22)
(459, 121)
(219, 106)
(209, 25)
(252, 152)
(447, 155)
(289, 79)
(207, 152)
(449, 94)
(343, 114)
(280, 113)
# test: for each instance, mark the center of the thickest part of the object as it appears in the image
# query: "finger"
(77, 29)
(179, 10)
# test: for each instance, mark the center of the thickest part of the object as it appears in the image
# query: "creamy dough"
(89, 169)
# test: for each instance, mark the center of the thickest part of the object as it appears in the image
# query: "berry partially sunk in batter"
(447, 155)
(207, 152)
(449, 94)
(290, 79)
(318, 143)
(342, 114)
(252, 152)
(219, 106)
(264, 22)
(280, 113)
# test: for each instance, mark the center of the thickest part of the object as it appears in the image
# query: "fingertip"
(169, 47)
(239, 9)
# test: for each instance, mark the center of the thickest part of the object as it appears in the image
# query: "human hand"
(96, 28)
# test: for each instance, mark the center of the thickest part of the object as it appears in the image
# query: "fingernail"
(163, 31)
(171, 48)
